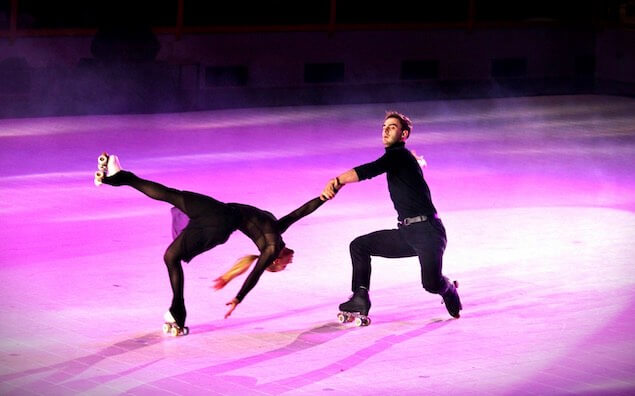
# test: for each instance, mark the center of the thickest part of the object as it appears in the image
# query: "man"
(419, 233)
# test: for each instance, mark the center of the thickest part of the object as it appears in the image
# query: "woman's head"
(284, 258)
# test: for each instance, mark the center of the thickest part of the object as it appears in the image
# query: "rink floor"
(537, 195)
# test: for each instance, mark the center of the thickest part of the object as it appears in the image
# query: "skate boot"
(451, 299)
(172, 328)
(108, 166)
(356, 308)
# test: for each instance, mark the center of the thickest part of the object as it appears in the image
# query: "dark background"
(77, 57)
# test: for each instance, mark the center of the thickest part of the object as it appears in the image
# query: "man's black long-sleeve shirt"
(409, 191)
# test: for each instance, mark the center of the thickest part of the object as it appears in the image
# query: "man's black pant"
(425, 239)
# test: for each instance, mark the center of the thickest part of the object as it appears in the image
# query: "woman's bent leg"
(172, 258)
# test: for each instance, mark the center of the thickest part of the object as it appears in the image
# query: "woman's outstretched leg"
(159, 192)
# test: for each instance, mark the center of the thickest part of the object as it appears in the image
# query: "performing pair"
(201, 222)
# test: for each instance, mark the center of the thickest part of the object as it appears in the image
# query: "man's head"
(284, 258)
(396, 128)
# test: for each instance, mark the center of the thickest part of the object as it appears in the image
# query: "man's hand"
(331, 188)
(422, 161)
(233, 304)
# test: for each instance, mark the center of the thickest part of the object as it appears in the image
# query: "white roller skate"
(107, 165)
(170, 327)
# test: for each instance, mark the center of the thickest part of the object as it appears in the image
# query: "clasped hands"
(331, 188)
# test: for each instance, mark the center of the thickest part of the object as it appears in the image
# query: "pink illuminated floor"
(537, 194)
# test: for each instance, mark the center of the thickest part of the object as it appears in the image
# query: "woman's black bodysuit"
(210, 224)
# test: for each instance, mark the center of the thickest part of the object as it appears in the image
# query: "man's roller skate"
(451, 299)
(172, 328)
(356, 308)
(107, 165)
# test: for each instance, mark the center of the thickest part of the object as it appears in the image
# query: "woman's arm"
(267, 256)
(302, 211)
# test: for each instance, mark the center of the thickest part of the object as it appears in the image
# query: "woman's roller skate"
(451, 299)
(107, 165)
(356, 308)
(172, 328)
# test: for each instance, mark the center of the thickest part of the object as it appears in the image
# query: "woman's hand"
(233, 304)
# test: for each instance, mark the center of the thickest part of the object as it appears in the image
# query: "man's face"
(392, 132)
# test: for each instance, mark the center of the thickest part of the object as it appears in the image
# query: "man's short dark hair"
(406, 124)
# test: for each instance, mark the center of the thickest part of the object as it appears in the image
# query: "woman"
(209, 224)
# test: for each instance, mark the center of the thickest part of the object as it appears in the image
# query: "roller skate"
(172, 328)
(451, 299)
(356, 309)
(107, 165)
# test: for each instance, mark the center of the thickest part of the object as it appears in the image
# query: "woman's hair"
(239, 267)
(242, 264)
(285, 252)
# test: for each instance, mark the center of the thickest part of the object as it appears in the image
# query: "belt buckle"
(411, 220)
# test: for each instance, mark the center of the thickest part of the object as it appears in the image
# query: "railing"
(470, 16)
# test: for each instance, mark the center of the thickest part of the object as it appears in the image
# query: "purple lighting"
(537, 195)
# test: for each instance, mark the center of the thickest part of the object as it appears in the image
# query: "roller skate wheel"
(99, 176)
(102, 160)
(358, 322)
(186, 330)
(341, 317)
(166, 328)
(174, 331)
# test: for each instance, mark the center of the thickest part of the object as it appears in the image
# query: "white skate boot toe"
(168, 317)
(113, 167)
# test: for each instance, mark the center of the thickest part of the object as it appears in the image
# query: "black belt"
(411, 220)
